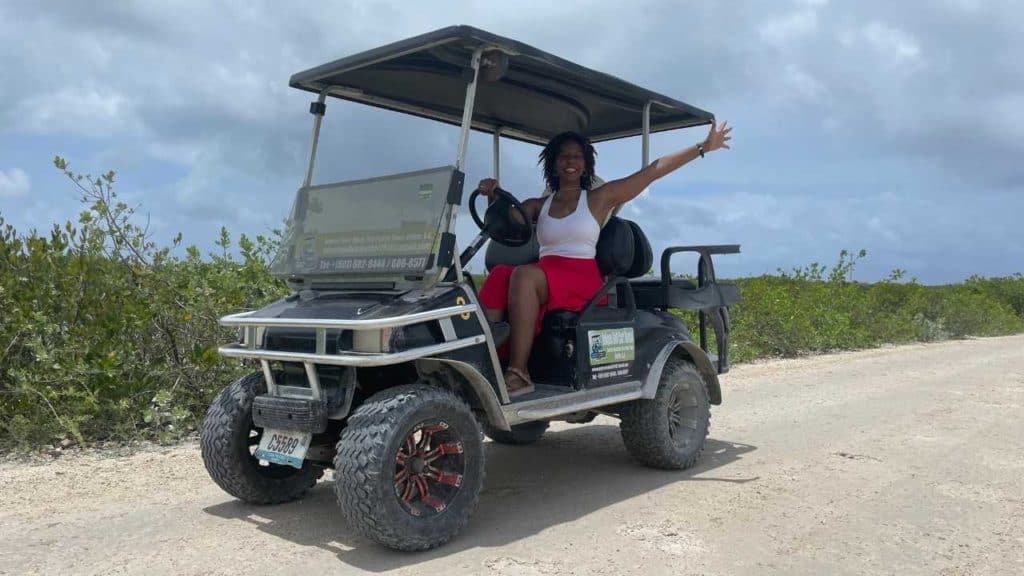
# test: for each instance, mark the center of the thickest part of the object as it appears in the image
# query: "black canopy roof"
(538, 96)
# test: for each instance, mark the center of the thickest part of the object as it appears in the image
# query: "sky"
(893, 127)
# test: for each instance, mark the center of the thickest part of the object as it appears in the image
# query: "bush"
(820, 309)
(104, 335)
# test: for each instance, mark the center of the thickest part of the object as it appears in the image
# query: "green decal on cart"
(611, 346)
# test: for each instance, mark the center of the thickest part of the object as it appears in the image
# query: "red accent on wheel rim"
(429, 468)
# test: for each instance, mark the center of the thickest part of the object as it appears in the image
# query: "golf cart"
(381, 363)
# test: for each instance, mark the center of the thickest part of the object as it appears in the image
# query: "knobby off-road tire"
(228, 439)
(668, 431)
(380, 444)
(520, 435)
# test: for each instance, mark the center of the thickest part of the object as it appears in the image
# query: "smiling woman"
(568, 223)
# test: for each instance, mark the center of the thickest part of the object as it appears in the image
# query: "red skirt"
(572, 282)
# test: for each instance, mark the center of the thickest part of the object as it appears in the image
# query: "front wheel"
(228, 440)
(668, 431)
(410, 467)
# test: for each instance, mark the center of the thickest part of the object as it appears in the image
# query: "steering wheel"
(498, 222)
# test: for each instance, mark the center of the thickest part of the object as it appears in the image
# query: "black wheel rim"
(682, 414)
(429, 468)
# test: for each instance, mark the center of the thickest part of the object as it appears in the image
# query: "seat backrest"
(623, 249)
(643, 256)
(513, 256)
(615, 248)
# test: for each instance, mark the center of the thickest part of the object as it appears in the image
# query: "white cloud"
(14, 183)
(1006, 116)
(831, 124)
(753, 209)
(876, 225)
(969, 6)
(802, 83)
(190, 103)
(785, 29)
(77, 110)
(181, 153)
(894, 44)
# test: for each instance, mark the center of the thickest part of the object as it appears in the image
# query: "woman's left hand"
(717, 137)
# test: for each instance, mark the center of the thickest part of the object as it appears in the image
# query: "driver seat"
(622, 250)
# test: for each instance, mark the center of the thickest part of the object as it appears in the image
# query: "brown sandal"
(526, 388)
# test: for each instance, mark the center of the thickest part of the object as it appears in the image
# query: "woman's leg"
(494, 292)
(527, 293)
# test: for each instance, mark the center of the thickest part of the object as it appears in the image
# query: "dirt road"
(904, 460)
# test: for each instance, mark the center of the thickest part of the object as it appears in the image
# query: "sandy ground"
(905, 460)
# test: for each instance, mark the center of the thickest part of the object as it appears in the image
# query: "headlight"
(376, 341)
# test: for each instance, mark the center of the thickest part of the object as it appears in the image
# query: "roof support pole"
(646, 146)
(317, 109)
(497, 154)
(467, 110)
(452, 210)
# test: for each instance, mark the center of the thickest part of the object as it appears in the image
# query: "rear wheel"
(228, 440)
(520, 434)
(410, 467)
(668, 431)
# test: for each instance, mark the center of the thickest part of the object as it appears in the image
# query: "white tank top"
(574, 236)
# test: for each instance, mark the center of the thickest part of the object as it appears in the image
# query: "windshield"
(385, 227)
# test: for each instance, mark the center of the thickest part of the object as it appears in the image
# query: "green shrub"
(967, 311)
(819, 309)
(104, 335)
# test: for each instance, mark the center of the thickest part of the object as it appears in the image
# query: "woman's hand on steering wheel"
(499, 222)
(487, 187)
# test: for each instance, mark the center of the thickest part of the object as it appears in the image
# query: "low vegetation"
(105, 335)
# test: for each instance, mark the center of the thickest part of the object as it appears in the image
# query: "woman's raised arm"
(625, 189)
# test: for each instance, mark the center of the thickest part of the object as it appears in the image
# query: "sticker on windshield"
(426, 191)
(611, 346)
(307, 252)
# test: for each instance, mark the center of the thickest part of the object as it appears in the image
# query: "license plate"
(286, 447)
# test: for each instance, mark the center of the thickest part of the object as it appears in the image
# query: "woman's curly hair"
(550, 153)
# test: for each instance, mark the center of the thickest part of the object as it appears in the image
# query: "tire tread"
(230, 410)
(357, 464)
(644, 425)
